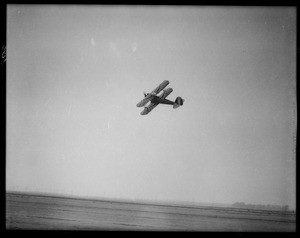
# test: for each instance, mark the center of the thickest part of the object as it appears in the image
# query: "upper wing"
(148, 98)
(160, 87)
(149, 108)
(166, 92)
(145, 100)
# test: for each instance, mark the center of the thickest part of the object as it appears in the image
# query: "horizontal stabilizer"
(178, 102)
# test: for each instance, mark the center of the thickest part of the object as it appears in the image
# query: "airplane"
(156, 99)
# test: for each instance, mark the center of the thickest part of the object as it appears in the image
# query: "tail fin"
(178, 102)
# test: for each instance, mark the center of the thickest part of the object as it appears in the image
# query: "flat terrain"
(24, 211)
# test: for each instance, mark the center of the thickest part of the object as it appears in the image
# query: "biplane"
(156, 99)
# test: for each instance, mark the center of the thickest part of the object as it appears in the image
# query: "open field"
(24, 211)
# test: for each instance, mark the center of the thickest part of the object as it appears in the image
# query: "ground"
(25, 211)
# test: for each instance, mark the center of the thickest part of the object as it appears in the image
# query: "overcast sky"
(76, 73)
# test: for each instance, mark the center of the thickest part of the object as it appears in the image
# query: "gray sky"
(76, 73)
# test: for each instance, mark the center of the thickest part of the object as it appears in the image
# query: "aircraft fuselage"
(156, 99)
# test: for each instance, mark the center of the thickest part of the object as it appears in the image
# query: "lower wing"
(144, 101)
(149, 108)
(166, 92)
